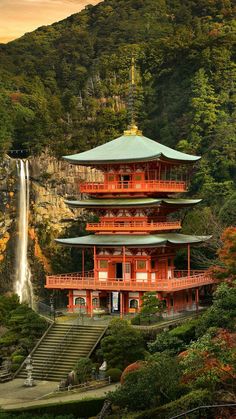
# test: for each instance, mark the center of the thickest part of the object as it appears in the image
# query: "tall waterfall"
(23, 284)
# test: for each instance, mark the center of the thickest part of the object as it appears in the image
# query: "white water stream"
(23, 284)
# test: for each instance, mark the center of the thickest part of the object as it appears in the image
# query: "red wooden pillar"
(188, 260)
(121, 304)
(140, 299)
(89, 302)
(197, 298)
(94, 263)
(123, 249)
(70, 305)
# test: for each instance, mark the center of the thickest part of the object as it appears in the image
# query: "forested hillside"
(65, 86)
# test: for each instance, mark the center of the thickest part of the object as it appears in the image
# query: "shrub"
(188, 401)
(80, 408)
(165, 342)
(122, 345)
(186, 331)
(83, 369)
(154, 384)
(136, 320)
(17, 359)
(114, 374)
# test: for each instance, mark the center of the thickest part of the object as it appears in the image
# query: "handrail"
(195, 409)
(135, 186)
(97, 341)
(133, 224)
(158, 284)
(58, 353)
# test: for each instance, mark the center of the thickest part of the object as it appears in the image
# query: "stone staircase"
(59, 350)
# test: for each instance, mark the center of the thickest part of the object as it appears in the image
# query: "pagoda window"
(193, 295)
(111, 178)
(103, 264)
(95, 302)
(125, 178)
(133, 304)
(141, 265)
(80, 301)
(153, 264)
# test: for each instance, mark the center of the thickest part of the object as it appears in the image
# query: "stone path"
(14, 395)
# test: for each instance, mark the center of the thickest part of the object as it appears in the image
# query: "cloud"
(20, 16)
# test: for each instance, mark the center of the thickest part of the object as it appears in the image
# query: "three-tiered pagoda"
(135, 241)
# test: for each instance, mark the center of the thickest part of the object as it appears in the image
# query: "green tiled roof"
(129, 148)
(135, 202)
(151, 240)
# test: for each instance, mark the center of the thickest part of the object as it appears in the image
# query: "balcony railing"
(133, 226)
(125, 187)
(180, 281)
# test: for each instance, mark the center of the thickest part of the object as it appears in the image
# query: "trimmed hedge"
(187, 402)
(186, 331)
(80, 409)
(114, 374)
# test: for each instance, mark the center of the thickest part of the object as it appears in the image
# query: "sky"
(20, 16)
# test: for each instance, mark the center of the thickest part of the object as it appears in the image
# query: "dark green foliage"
(184, 403)
(152, 385)
(29, 416)
(24, 328)
(122, 345)
(165, 342)
(228, 211)
(223, 311)
(185, 331)
(81, 408)
(114, 374)
(83, 370)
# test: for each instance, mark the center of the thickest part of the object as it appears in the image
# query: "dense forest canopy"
(65, 86)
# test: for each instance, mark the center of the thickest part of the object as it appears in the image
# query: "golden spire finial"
(132, 128)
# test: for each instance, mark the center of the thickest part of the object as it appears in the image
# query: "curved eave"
(73, 160)
(129, 203)
(132, 241)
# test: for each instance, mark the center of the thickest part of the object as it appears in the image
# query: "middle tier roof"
(132, 202)
(152, 240)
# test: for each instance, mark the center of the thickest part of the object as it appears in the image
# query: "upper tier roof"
(132, 202)
(130, 147)
(132, 240)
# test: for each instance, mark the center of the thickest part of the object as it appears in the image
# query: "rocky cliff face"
(51, 181)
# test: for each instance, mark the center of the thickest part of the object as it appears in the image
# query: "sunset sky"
(20, 16)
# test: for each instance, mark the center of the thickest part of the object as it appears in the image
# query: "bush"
(83, 369)
(157, 382)
(186, 331)
(114, 374)
(122, 345)
(165, 342)
(188, 401)
(80, 408)
(17, 359)
(136, 320)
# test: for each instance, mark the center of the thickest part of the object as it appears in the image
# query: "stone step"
(80, 344)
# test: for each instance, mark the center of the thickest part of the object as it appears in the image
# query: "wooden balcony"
(132, 226)
(171, 186)
(181, 281)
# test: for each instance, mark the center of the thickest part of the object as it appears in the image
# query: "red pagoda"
(135, 241)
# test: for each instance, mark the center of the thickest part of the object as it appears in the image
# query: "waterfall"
(23, 284)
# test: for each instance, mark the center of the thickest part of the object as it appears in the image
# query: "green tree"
(156, 383)
(83, 369)
(122, 345)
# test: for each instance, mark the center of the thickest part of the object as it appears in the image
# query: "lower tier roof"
(132, 202)
(152, 240)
